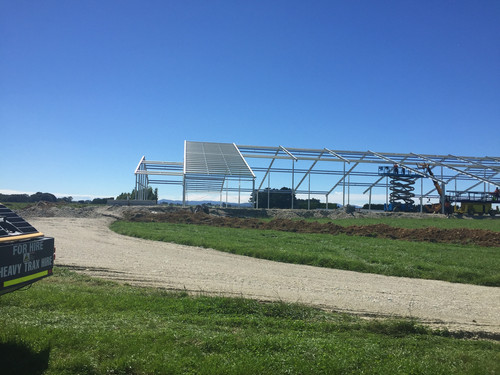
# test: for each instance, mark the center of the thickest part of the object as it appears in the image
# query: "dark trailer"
(26, 255)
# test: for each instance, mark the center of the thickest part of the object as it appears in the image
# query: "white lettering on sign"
(33, 265)
(47, 261)
(19, 249)
(24, 248)
(36, 246)
(11, 270)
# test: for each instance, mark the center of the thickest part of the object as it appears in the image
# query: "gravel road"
(88, 246)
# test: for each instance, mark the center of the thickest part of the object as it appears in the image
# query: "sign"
(24, 262)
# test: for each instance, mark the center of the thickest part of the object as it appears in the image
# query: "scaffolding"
(244, 169)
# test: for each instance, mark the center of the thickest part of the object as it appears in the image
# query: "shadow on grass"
(19, 359)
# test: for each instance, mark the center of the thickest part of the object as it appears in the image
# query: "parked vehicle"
(26, 255)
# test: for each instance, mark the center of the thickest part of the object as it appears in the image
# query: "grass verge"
(448, 262)
(485, 223)
(72, 324)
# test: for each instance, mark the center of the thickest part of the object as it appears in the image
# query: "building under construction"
(406, 180)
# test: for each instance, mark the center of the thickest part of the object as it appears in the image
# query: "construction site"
(402, 182)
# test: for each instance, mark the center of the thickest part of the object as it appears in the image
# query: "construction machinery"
(437, 207)
(475, 202)
(471, 202)
(401, 186)
(26, 255)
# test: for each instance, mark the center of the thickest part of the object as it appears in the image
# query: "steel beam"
(309, 170)
(376, 182)
(469, 169)
(343, 177)
(455, 169)
(268, 169)
(336, 155)
(406, 166)
(288, 153)
(239, 152)
(482, 166)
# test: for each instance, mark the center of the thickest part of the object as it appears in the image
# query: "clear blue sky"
(88, 87)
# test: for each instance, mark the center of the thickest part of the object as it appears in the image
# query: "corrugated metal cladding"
(205, 158)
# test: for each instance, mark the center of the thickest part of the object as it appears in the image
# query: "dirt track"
(87, 245)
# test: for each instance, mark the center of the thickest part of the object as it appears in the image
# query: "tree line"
(275, 198)
(51, 198)
(151, 195)
(37, 197)
(282, 198)
(46, 197)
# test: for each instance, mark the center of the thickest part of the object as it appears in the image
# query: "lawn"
(448, 262)
(442, 222)
(73, 324)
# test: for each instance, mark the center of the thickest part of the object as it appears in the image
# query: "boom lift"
(437, 207)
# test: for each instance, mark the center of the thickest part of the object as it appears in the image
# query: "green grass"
(17, 205)
(72, 324)
(453, 222)
(414, 223)
(448, 262)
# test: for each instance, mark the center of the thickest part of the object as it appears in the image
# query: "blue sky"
(88, 87)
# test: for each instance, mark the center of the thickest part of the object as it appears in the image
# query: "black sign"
(23, 262)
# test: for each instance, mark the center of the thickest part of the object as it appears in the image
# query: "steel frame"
(223, 163)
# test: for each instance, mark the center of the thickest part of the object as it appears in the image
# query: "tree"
(124, 196)
(14, 198)
(101, 200)
(281, 198)
(312, 204)
(150, 194)
(374, 206)
(46, 197)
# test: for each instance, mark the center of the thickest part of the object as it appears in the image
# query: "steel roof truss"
(456, 169)
(140, 164)
(343, 177)
(406, 166)
(241, 156)
(226, 161)
(381, 178)
(482, 166)
(268, 169)
(289, 153)
(309, 171)
(336, 155)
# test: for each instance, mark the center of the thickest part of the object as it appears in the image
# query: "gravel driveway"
(88, 246)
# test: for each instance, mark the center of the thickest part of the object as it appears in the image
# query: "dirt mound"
(47, 209)
(457, 236)
(283, 220)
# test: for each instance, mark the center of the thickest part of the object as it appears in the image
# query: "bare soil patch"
(456, 236)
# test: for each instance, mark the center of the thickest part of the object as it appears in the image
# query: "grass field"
(486, 223)
(72, 324)
(448, 262)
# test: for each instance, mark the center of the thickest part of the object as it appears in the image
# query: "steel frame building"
(217, 167)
